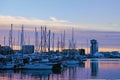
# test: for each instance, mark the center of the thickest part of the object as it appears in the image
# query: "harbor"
(42, 57)
(59, 39)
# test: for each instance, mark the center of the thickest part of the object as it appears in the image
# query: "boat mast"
(53, 41)
(49, 41)
(61, 42)
(22, 36)
(41, 38)
(18, 37)
(64, 40)
(36, 39)
(87, 45)
(14, 42)
(28, 40)
(69, 44)
(58, 44)
(73, 38)
(4, 41)
(10, 36)
(45, 39)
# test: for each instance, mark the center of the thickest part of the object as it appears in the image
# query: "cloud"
(5, 20)
(53, 22)
(56, 20)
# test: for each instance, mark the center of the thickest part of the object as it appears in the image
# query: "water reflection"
(38, 73)
(94, 67)
(25, 74)
(91, 69)
(82, 65)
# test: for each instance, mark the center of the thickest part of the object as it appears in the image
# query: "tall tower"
(94, 46)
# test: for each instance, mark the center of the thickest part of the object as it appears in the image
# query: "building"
(27, 49)
(93, 47)
(81, 51)
(5, 50)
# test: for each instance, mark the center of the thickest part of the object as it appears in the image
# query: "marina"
(59, 39)
(41, 56)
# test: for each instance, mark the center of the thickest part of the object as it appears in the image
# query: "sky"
(97, 19)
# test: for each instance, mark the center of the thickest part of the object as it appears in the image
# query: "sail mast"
(4, 41)
(64, 40)
(36, 39)
(58, 44)
(41, 38)
(10, 36)
(45, 40)
(28, 40)
(22, 36)
(53, 41)
(61, 42)
(49, 41)
(73, 38)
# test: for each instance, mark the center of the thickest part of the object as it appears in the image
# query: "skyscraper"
(93, 47)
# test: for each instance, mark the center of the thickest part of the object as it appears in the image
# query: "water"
(91, 69)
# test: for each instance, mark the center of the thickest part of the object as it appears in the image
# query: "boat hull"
(36, 66)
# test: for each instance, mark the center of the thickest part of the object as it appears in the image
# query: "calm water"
(91, 69)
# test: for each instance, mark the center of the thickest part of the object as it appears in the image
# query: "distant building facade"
(93, 47)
